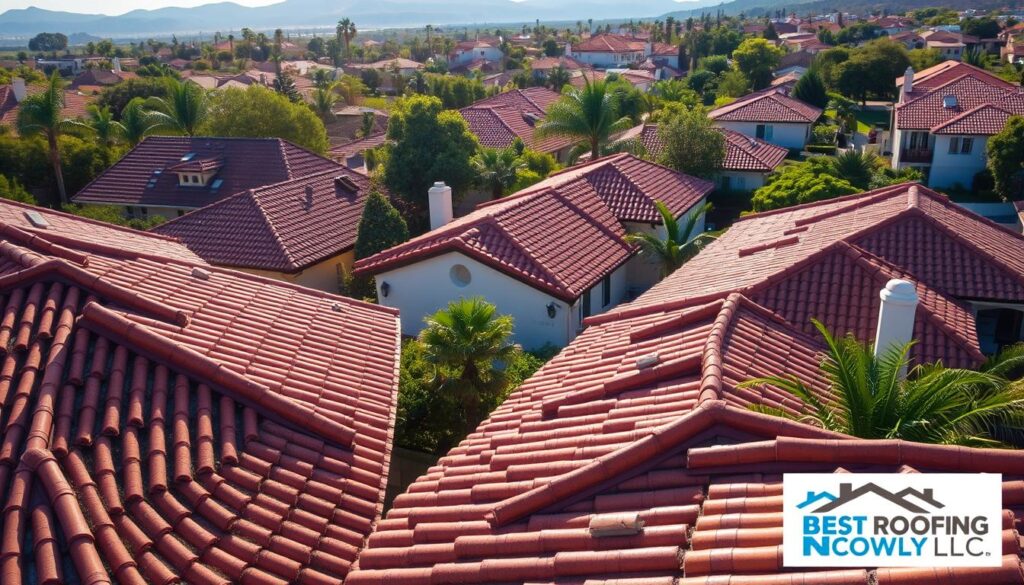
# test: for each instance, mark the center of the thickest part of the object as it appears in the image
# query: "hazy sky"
(114, 6)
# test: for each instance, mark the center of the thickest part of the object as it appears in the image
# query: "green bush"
(829, 149)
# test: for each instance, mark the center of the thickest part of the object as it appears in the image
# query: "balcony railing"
(916, 155)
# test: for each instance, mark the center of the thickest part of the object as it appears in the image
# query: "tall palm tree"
(137, 122)
(101, 123)
(464, 342)
(681, 242)
(497, 169)
(43, 114)
(590, 114)
(346, 31)
(183, 110)
(870, 397)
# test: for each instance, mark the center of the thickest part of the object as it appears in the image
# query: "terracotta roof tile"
(610, 43)
(587, 202)
(161, 406)
(931, 108)
(771, 105)
(247, 163)
(497, 121)
(742, 153)
(285, 227)
(639, 421)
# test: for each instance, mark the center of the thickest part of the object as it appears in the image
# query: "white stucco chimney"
(116, 64)
(908, 82)
(18, 86)
(895, 316)
(440, 198)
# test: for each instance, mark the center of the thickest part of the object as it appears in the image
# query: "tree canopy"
(691, 144)
(757, 59)
(812, 180)
(48, 42)
(1006, 158)
(260, 112)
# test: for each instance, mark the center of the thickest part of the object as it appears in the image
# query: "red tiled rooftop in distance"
(742, 153)
(770, 105)
(610, 43)
(285, 227)
(248, 163)
(641, 416)
(498, 120)
(588, 203)
(166, 421)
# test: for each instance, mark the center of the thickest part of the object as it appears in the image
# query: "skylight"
(188, 156)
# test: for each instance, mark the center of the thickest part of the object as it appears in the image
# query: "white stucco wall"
(785, 135)
(603, 60)
(468, 56)
(901, 142)
(420, 289)
(325, 275)
(742, 180)
(950, 169)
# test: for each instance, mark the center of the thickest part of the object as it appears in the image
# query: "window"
(999, 328)
(585, 306)
(606, 291)
(726, 182)
(765, 131)
(960, 145)
(460, 275)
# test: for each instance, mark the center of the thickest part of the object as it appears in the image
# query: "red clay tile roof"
(985, 119)
(563, 234)
(75, 104)
(167, 421)
(497, 121)
(283, 228)
(100, 77)
(770, 105)
(248, 163)
(742, 153)
(343, 151)
(549, 63)
(927, 109)
(641, 416)
(610, 43)
(946, 71)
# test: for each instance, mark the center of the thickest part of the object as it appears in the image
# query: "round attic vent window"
(460, 275)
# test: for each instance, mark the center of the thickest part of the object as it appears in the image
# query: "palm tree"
(346, 31)
(42, 114)
(680, 242)
(590, 114)
(137, 122)
(464, 342)
(183, 110)
(857, 167)
(558, 78)
(100, 122)
(870, 397)
(497, 169)
(322, 77)
(324, 99)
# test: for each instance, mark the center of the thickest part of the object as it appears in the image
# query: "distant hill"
(323, 13)
(756, 8)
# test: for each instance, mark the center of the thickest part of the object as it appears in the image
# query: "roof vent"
(336, 307)
(648, 361)
(606, 525)
(200, 273)
(188, 156)
(949, 101)
(346, 183)
(531, 118)
(36, 219)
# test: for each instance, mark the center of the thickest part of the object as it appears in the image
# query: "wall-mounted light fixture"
(385, 288)
(552, 310)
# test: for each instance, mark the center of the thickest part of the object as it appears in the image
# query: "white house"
(944, 118)
(550, 256)
(611, 51)
(747, 164)
(771, 115)
(468, 52)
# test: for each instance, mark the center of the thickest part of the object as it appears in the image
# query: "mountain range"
(323, 13)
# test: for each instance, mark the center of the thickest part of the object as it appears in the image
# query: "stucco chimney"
(116, 64)
(895, 316)
(440, 197)
(908, 82)
(18, 85)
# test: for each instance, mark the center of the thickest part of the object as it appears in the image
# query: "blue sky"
(115, 6)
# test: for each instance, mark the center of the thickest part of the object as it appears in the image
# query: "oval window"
(460, 275)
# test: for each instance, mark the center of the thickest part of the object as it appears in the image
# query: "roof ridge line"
(712, 366)
(490, 219)
(630, 312)
(969, 74)
(874, 195)
(34, 241)
(99, 285)
(144, 340)
(273, 230)
(89, 220)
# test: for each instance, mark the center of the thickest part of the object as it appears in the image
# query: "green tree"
(116, 97)
(558, 78)
(812, 180)
(324, 100)
(1006, 159)
(857, 167)
(43, 114)
(497, 169)
(263, 113)
(100, 122)
(137, 122)
(869, 397)
(679, 243)
(717, 64)
(380, 227)
(428, 144)
(344, 33)
(183, 110)
(12, 190)
(811, 89)
(691, 144)
(465, 342)
(733, 84)
(871, 69)
(921, 59)
(589, 114)
(757, 59)
(48, 42)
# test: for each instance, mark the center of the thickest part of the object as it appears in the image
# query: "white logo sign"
(891, 520)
